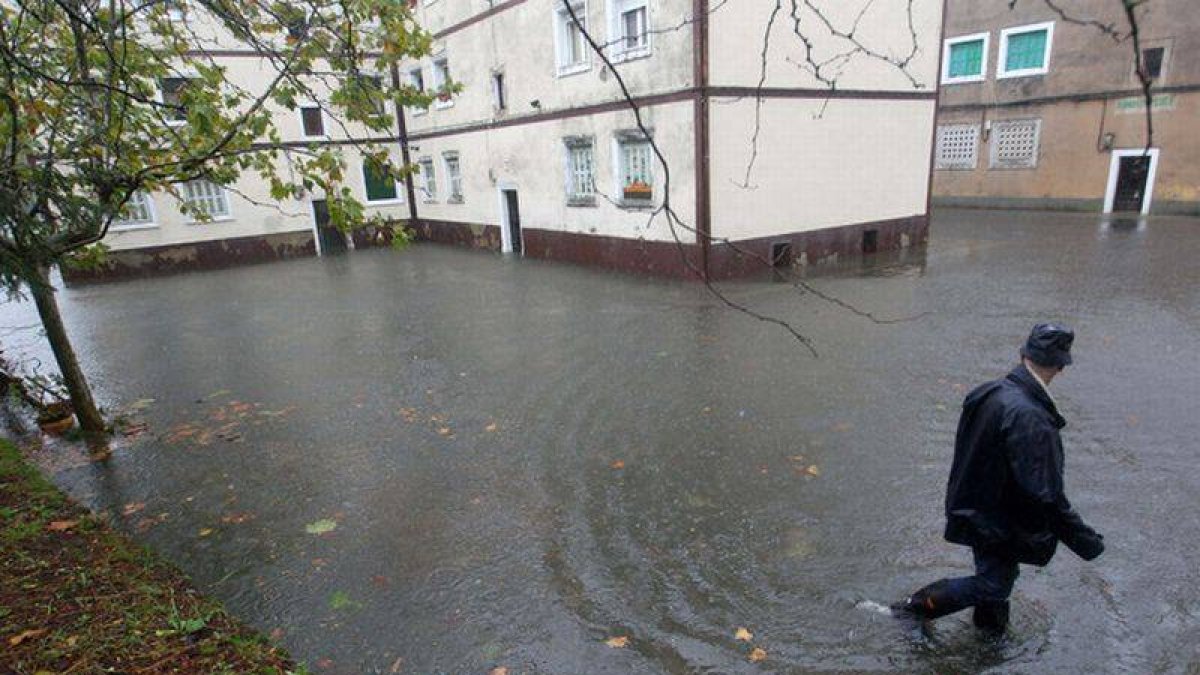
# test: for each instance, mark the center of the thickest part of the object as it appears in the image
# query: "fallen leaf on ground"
(498, 670)
(321, 526)
(132, 508)
(759, 654)
(617, 642)
(617, 464)
(205, 531)
(25, 635)
(743, 635)
(61, 525)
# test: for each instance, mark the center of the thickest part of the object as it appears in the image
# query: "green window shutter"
(966, 59)
(1026, 51)
(380, 186)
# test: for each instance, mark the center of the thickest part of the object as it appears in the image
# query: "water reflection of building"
(539, 153)
(1037, 111)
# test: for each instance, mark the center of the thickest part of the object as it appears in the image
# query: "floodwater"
(521, 461)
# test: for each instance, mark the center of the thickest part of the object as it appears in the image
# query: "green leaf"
(321, 526)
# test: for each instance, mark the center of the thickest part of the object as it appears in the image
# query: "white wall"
(855, 161)
(532, 158)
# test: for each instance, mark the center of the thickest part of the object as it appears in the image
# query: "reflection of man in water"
(1005, 495)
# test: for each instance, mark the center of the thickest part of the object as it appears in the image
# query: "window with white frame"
(1015, 144)
(416, 80)
(957, 146)
(137, 212)
(379, 185)
(312, 121)
(629, 26)
(570, 46)
(581, 170)
(964, 59)
(635, 166)
(441, 82)
(374, 88)
(428, 178)
(453, 177)
(205, 199)
(1025, 50)
(172, 94)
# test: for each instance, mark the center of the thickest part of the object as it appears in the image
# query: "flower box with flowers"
(637, 190)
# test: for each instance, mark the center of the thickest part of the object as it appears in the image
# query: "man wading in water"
(1005, 495)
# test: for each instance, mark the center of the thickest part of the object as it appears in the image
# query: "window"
(964, 59)
(374, 88)
(173, 97)
(312, 122)
(430, 179)
(1152, 61)
(1015, 144)
(416, 79)
(205, 199)
(498, 98)
(176, 10)
(957, 146)
(581, 171)
(441, 82)
(453, 177)
(378, 183)
(635, 166)
(571, 48)
(629, 31)
(1025, 50)
(137, 212)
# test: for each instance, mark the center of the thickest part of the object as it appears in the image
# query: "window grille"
(430, 179)
(136, 211)
(205, 198)
(1015, 144)
(957, 146)
(636, 170)
(581, 170)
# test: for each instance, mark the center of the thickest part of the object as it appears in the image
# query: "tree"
(104, 100)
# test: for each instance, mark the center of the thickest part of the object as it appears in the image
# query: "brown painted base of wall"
(205, 255)
(741, 259)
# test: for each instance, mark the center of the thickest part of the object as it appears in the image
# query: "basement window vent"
(957, 146)
(870, 241)
(1015, 144)
(781, 254)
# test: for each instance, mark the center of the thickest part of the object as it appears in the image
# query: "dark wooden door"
(514, 219)
(1131, 183)
(332, 240)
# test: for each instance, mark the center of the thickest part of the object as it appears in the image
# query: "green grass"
(87, 599)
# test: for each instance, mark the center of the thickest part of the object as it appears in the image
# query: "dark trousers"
(991, 584)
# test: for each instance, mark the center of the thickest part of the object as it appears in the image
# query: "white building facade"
(539, 153)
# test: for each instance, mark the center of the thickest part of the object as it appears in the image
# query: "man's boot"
(929, 603)
(991, 616)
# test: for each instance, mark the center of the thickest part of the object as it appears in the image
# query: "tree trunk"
(81, 394)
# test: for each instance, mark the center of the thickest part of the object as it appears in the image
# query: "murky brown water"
(522, 460)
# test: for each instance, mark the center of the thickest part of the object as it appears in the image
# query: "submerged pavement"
(444, 461)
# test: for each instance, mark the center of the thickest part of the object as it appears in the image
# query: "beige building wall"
(826, 164)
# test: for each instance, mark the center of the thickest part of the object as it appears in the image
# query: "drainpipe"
(700, 121)
(402, 140)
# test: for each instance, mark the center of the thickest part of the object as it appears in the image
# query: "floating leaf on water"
(321, 526)
(813, 470)
(132, 508)
(140, 404)
(444, 431)
(218, 393)
(397, 665)
(498, 670)
(340, 600)
(205, 531)
(617, 464)
(617, 642)
(491, 427)
(743, 635)
(759, 654)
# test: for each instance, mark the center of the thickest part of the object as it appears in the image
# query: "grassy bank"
(77, 597)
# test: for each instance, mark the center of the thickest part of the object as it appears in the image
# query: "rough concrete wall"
(818, 165)
(1071, 164)
(737, 30)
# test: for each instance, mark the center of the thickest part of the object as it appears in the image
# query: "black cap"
(1049, 345)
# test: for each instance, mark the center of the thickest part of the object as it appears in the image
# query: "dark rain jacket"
(1005, 492)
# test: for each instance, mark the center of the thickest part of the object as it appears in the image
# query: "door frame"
(506, 244)
(1114, 168)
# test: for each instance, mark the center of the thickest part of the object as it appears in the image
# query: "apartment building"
(1042, 112)
(819, 150)
(541, 154)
